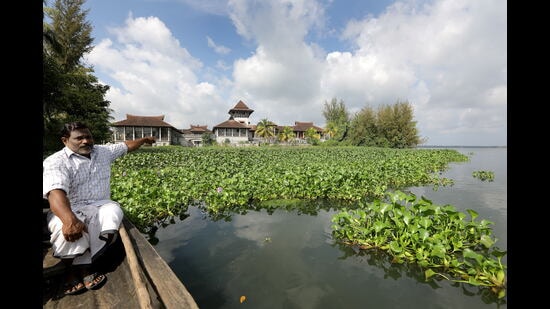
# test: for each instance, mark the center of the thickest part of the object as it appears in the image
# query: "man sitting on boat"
(83, 220)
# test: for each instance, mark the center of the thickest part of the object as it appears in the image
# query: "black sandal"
(74, 287)
(93, 281)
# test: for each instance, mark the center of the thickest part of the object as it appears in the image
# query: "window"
(146, 131)
(138, 131)
(164, 133)
(129, 133)
(119, 133)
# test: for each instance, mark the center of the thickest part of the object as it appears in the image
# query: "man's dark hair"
(71, 126)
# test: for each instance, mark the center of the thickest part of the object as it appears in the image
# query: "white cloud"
(220, 49)
(281, 78)
(447, 58)
(216, 7)
(220, 64)
(154, 75)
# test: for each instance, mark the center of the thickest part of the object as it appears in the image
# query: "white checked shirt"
(84, 180)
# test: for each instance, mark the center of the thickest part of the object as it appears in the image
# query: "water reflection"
(398, 271)
(282, 255)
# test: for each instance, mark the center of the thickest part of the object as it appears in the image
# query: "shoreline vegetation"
(458, 146)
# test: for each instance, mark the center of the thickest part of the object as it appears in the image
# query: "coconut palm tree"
(331, 129)
(265, 129)
(287, 134)
(312, 136)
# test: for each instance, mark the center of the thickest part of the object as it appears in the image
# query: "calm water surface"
(289, 260)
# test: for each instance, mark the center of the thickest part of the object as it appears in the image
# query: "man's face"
(80, 141)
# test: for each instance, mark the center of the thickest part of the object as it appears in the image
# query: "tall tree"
(331, 129)
(363, 129)
(389, 126)
(70, 90)
(207, 139)
(72, 31)
(287, 134)
(404, 118)
(312, 136)
(397, 126)
(265, 129)
(336, 113)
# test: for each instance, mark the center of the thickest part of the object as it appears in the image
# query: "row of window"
(162, 134)
(240, 115)
(130, 133)
(232, 132)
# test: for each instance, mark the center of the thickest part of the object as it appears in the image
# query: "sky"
(193, 60)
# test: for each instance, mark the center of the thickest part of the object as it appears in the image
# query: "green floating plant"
(484, 175)
(156, 183)
(437, 238)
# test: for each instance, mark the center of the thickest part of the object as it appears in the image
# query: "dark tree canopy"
(70, 91)
(388, 126)
(337, 118)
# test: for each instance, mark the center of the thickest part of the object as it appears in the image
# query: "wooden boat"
(137, 277)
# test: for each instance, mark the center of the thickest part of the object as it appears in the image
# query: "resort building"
(194, 134)
(300, 128)
(236, 130)
(139, 126)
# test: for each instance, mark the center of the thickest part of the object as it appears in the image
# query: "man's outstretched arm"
(136, 143)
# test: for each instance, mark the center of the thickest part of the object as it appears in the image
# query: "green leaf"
(472, 213)
(486, 241)
(468, 253)
(428, 273)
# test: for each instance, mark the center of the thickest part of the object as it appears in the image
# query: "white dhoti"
(101, 218)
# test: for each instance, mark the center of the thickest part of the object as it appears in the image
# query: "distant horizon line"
(459, 146)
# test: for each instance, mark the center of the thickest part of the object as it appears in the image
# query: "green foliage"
(388, 126)
(363, 128)
(312, 137)
(437, 238)
(337, 119)
(331, 130)
(286, 135)
(70, 91)
(331, 143)
(265, 129)
(484, 175)
(395, 123)
(207, 139)
(249, 176)
(156, 184)
(71, 31)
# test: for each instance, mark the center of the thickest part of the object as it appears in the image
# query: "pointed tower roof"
(240, 106)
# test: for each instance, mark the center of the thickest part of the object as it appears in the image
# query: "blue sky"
(193, 60)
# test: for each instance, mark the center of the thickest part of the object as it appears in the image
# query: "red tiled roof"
(240, 106)
(143, 121)
(196, 129)
(232, 124)
(303, 126)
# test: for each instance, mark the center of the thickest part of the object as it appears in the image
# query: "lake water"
(289, 260)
